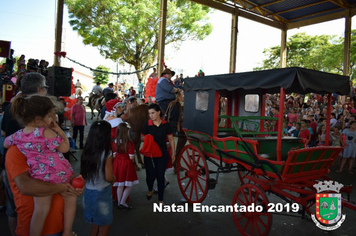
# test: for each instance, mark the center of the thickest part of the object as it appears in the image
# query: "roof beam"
(271, 3)
(259, 10)
(216, 5)
(320, 19)
(314, 14)
(243, 13)
(341, 3)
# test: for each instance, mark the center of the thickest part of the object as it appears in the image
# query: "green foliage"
(3, 60)
(127, 30)
(103, 78)
(323, 53)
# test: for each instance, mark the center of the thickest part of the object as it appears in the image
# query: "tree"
(323, 53)
(103, 78)
(127, 30)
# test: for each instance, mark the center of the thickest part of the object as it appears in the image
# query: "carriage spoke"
(201, 188)
(246, 225)
(261, 222)
(242, 203)
(191, 190)
(183, 178)
(258, 228)
(256, 198)
(200, 177)
(196, 190)
(190, 180)
(185, 161)
(197, 162)
(244, 195)
(249, 196)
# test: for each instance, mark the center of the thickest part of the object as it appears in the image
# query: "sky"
(30, 26)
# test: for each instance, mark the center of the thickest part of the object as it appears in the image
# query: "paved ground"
(141, 220)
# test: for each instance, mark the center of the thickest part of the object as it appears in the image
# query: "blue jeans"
(9, 202)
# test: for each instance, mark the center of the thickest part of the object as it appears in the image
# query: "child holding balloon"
(42, 141)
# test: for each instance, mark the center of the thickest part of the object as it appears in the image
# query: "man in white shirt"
(97, 90)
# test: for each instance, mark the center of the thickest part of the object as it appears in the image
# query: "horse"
(137, 117)
(93, 100)
(78, 91)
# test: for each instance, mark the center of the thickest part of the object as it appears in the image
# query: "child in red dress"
(124, 169)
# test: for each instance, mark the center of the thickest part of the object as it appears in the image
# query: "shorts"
(349, 151)
(98, 206)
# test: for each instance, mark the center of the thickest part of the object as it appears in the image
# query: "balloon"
(78, 182)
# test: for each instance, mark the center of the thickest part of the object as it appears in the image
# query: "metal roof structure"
(285, 14)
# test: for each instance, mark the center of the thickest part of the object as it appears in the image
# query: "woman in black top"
(155, 167)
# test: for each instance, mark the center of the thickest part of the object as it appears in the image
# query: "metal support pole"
(347, 43)
(161, 36)
(58, 39)
(234, 31)
(283, 62)
(280, 124)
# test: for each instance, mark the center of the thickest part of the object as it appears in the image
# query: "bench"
(309, 163)
(248, 126)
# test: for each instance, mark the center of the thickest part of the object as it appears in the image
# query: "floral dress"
(45, 162)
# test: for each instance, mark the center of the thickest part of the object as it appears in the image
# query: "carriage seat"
(199, 137)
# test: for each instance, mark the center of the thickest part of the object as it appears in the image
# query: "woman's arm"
(172, 144)
(109, 174)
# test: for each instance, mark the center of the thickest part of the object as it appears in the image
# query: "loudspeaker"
(59, 80)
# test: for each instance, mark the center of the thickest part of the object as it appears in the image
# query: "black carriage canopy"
(293, 80)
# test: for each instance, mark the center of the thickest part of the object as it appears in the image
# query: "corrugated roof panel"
(290, 15)
(324, 7)
(317, 15)
(284, 5)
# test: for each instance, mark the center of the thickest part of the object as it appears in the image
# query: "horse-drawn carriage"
(264, 159)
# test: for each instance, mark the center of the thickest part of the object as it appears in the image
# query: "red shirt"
(304, 134)
(78, 114)
(313, 125)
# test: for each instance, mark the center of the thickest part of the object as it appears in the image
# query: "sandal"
(338, 171)
(351, 173)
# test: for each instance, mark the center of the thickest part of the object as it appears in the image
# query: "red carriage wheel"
(193, 180)
(252, 223)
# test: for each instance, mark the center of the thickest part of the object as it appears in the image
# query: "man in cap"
(165, 94)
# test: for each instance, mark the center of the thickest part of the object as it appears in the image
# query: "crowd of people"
(36, 167)
(37, 177)
(305, 117)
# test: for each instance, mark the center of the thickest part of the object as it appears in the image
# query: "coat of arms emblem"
(328, 205)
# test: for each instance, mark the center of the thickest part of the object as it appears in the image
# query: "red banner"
(5, 48)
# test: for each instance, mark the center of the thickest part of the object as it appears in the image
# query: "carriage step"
(211, 183)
